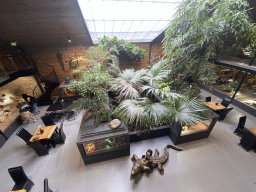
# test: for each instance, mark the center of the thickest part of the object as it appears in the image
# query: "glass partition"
(228, 80)
(237, 55)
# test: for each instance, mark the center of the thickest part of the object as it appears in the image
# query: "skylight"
(132, 20)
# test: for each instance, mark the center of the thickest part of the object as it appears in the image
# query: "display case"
(182, 134)
(100, 143)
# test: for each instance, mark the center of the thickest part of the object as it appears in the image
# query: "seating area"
(64, 166)
(220, 109)
(41, 143)
(128, 96)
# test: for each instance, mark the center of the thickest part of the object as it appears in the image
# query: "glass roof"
(132, 20)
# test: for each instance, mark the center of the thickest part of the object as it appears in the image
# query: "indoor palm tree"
(146, 105)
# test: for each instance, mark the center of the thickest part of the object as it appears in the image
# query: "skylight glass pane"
(129, 36)
(126, 26)
(99, 26)
(132, 20)
(143, 25)
(160, 26)
(152, 35)
(109, 34)
(136, 35)
(117, 26)
(122, 35)
(134, 26)
(108, 26)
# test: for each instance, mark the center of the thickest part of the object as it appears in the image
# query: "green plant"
(140, 95)
(197, 33)
(116, 45)
(41, 130)
(92, 86)
(252, 82)
(227, 88)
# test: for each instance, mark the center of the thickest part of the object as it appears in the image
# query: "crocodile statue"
(141, 165)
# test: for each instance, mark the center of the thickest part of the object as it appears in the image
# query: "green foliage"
(139, 107)
(226, 87)
(229, 87)
(143, 113)
(197, 34)
(116, 45)
(93, 87)
(103, 115)
(187, 111)
(252, 82)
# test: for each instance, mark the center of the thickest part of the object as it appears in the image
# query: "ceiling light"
(69, 40)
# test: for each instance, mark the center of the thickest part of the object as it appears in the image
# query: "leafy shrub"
(117, 45)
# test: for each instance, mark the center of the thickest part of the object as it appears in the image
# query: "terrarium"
(100, 142)
(104, 145)
(186, 133)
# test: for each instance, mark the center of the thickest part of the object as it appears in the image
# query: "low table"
(214, 107)
(48, 131)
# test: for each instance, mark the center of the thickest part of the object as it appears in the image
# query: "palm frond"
(157, 72)
(125, 89)
(150, 90)
(188, 111)
(158, 112)
(133, 113)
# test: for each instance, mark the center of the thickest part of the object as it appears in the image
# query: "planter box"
(154, 133)
(100, 143)
(201, 131)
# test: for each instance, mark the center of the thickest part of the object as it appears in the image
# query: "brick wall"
(60, 59)
(63, 68)
(157, 50)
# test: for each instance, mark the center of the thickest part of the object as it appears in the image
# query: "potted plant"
(41, 130)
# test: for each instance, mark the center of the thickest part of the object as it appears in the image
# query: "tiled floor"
(214, 164)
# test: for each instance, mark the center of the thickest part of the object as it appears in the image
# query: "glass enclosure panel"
(247, 93)
(198, 127)
(237, 55)
(106, 144)
(228, 80)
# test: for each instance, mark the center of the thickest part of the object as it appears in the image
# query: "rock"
(114, 123)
